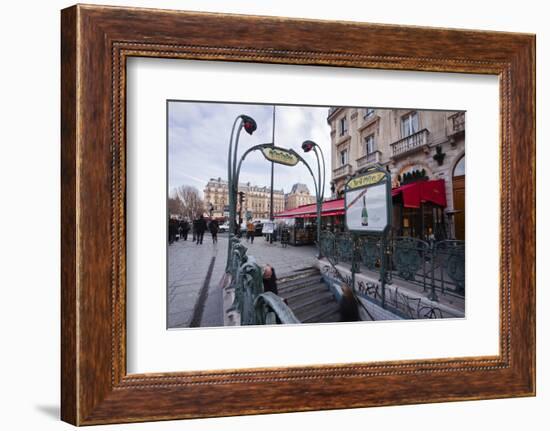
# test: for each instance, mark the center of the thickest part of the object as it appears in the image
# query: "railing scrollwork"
(255, 306)
(435, 265)
(271, 309)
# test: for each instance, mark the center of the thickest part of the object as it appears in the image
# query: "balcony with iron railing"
(341, 171)
(415, 142)
(373, 157)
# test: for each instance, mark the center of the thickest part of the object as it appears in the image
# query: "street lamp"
(307, 146)
(249, 125)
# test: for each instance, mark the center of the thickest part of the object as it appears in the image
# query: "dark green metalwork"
(450, 255)
(409, 256)
(254, 306)
(231, 185)
(328, 246)
(251, 285)
(271, 309)
(370, 252)
(372, 175)
(238, 259)
(238, 254)
(344, 247)
(320, 186)
(318, 195)
(437, 266)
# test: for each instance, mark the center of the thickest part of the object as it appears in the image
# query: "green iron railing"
(255, 306)
(437, 266)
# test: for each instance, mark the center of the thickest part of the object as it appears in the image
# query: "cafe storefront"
(301, 222)
(418, 210)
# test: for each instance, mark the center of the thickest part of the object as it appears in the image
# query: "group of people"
(198, 227)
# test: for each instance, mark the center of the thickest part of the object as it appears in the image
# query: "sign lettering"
(366, 180)
(280, 155)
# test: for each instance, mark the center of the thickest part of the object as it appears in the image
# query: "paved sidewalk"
(188, 265)
(194, 294)
(286, 260)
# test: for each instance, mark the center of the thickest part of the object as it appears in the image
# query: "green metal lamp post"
(307, 146)
(249, 125)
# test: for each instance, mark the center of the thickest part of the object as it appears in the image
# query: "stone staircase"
(309, 297)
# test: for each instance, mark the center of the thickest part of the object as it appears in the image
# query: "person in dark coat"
(349, 309)
(270, 280)
(185, 229)
(194, 226)
(214, 227)
(172, 230)
(201, 228)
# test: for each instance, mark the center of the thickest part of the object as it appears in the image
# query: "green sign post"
(368, 210)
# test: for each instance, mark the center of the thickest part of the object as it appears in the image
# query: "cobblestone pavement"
(195, 271)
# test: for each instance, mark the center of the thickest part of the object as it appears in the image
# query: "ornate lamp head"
(307, 146)
(249, 124)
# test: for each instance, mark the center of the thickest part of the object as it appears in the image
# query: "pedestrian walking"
(250, 231)
(194, 227)
(172, 230)
(214, 227)
(285, 237)
(185, 229)
(201, 228)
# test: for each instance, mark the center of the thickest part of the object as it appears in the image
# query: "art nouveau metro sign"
(367, 200)
(280, 155)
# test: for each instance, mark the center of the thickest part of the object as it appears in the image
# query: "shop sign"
(280, 155)
(367, 198)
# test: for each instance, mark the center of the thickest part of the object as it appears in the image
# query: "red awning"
(329, 208)
(422, 191)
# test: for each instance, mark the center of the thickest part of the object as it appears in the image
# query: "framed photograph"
(260, 217)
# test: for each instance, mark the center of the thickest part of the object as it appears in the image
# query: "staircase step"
(291, 285)
(306, 272)
(306, 292)
(320, 315)
(309, 297)
(334, 317)
(313, 304)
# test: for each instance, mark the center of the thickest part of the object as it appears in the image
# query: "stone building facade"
(404, 141)
(256, 199)
(299, 195)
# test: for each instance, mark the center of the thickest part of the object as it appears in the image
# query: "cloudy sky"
(198, 139)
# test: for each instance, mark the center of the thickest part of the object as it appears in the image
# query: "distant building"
(413, 145)
(256, 199)
(299, 195)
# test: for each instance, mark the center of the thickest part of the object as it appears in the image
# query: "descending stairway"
(309, 297)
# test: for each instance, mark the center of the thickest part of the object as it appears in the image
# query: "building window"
(368, 113)
(409, 124)
(343, 126)
(343, 157)
(460, 168)
(369, 144)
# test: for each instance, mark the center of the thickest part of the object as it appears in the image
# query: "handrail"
(270, 309)
(255, 306)
(434, 265)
